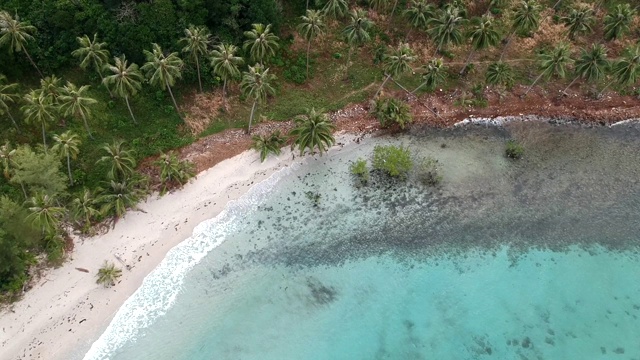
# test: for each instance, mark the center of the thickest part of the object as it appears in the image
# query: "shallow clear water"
(536, 259)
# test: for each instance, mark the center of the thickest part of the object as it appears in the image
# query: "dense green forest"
(89, 88)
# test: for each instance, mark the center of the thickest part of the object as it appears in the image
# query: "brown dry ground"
(355, 118)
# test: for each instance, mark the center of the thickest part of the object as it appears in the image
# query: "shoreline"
(66, 311)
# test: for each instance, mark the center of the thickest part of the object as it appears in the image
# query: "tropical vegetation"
(91, 89)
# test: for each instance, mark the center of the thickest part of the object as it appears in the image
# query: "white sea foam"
(502, 120)
(623, 122)
(161, 287)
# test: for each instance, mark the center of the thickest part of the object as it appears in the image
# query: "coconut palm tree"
(125, 80)
(313, 130)
(16, 34)
(483, 34)
(579, 21)
(261, 43)
(173, 170)
(526, 20)
(163, 70)
(119, 196)
(418, 13)
(626, 71)
(8, 95)
(499, 73)
(592, 65)
(434, 74)
(270, 144)
(553, 63)
(75, 102)
(108, 274)
(44, 213)
(256, 85)
(84, 208)
(196, 41)
(92, 53)
(67, 145)
(312, 25)
(446, 27)
(356, 33)
(392, 111)
(120, 160)
(6, 153)
(38, 109)
(51, 87)
(225, 64)
(396, 62)
(616, 23)
(335, 8)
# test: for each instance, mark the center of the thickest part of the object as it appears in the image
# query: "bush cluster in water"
(427, 171)
(397, 162)
(393, 160)
(360, 170)
(514, 150)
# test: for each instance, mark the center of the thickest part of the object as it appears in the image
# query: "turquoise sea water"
(536, 259)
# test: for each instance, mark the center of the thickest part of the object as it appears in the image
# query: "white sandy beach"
(66, 311)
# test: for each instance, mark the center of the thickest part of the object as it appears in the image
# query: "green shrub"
(360, 170)
(268, 144)
(395, 161)
(514, 150)
(427, 171)
(108, 274)
(54, 247)
(392, 111)
(297, 72)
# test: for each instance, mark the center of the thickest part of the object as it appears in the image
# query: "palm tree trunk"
(395, 4)
(198, 68)
(253, 108)
(381, 86)
(174, 99)
(437, 49)
(418, 88)
(406, 37)
(308, 48)
(69, 169)
(534, 83)
(567, 88)
(126, 99)
(504, 49)
(605, 88)
(425, 105)
(102, 79)
(307, 8)
(466, 63)
(13, 120)
(44, 138)
(86, 125)
(349, 58)
(224, 93)
(32, 63)
(556, 4)
(24, 191)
